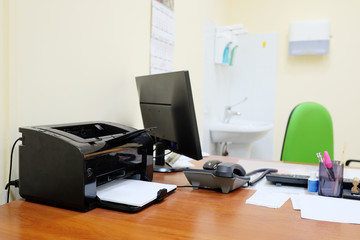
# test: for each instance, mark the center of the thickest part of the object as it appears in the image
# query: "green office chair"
(309, 131)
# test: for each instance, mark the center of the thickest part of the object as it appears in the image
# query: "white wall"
(252, 75)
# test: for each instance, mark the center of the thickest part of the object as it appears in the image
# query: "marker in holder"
(331, 179)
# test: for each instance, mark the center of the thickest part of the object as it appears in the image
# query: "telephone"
(226, 177)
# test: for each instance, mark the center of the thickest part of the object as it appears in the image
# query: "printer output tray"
(128, 195)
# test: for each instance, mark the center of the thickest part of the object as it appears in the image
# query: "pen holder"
(331, 180)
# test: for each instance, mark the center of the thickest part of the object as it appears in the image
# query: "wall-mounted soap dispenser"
(226, 43)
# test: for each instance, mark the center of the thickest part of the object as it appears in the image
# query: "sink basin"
(239, 132)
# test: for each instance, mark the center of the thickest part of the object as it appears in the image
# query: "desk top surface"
(186, 214)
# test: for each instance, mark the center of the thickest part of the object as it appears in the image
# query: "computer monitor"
(166, 104)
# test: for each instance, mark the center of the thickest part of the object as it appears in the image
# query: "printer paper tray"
(131, 195)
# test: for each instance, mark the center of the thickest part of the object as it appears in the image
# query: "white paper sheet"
(131, 192)
(295, 200)
(330, 209)
(268, 199)
(311, 206)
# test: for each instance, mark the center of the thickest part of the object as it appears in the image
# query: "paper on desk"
(182, 161)
(131, 192)
(330, 209)
(295, 200)
(268, 199)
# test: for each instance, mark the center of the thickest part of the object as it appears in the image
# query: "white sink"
(239, 132)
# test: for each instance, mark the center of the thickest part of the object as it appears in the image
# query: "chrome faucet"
(229, 113)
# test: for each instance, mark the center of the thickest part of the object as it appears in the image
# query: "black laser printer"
(62, 165)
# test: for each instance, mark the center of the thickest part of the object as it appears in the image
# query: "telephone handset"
(229, 169)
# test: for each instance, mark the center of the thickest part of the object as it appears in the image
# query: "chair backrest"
(309, 130)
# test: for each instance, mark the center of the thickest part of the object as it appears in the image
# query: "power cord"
(264, 171)
(162, 155)
(15, 182)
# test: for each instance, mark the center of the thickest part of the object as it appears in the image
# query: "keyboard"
(298, 180)
(290, 179)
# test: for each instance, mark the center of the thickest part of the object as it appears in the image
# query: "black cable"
(265, 172)
(11, 160)
(197, 187)
(162, 155)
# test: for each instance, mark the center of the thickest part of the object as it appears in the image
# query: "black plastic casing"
(60, 167)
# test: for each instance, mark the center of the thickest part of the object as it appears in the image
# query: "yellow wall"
(190, 16)
(75, 60)
(332, 80)
(4, 102)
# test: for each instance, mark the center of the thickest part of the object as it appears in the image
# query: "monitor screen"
(166, 104)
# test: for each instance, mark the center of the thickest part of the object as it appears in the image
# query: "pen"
(320, 157)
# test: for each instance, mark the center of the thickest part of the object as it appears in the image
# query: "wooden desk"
(186, 214)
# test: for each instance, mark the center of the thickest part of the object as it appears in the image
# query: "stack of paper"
(131, 192)
(311, 206)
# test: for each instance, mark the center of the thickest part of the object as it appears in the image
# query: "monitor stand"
(160, 163)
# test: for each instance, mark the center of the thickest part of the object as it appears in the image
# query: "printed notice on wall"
(162, 36)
